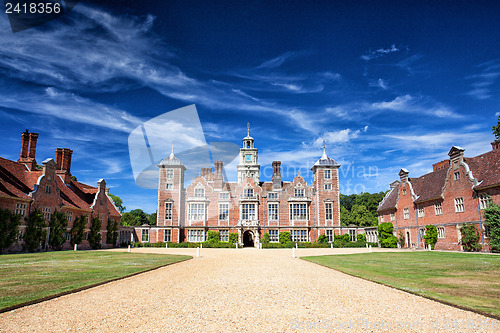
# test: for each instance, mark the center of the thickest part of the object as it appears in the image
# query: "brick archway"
(248, 239)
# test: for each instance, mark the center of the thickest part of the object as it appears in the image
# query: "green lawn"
(465, 279)
(29, 277)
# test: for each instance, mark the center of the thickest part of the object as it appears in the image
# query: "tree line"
(360, 209)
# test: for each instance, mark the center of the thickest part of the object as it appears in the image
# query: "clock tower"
(249, 160)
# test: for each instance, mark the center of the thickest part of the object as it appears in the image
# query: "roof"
(325, 161)
(429, 186)
(170, 160)
(390, 200)
(14, 179)
(485, 168)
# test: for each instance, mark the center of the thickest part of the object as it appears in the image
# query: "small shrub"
(386, 238)
(492, 216)
(470, 238)
(285, 237)
(322, 239)
(233, 237)
(431, 235)
(265, 240)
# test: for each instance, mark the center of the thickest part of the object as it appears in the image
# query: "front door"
(248, 239)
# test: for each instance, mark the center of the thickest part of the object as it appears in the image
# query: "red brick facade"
(455, 192)
(23, 189)
(247, 207)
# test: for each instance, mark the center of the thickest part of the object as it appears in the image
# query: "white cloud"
(370, 55)
(416, 105)
(482, 82)
(336, 137)
(380, 83)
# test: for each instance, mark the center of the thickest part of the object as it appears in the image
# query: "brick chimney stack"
(495, 145)
(441, 165)
(218, 178)
(63, 162)
(28, 149)
(276, 174)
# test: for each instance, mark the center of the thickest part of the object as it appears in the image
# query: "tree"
(233, 237)
(386, 238)
(94, 234)
(112, 232)
(470, 238)
(57, 228)
(361, 216)
(152, 218)
(9, 228)
(285, 237)
(496, 130)
(78, 230)
(431, 235)
(322, 239)
(265, 239)
(345, 216)
(135, 217)
(492, 216)
(118, 202)
(35, 231)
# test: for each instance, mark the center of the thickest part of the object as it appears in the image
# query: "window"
(330, 235)
(328, 187)
(46, 212)
(224, 196)
(352, 235)
(273, 195)
(20, 209)
(167, 237)
(299, 235)
(248, 158)
(168, 211)
(404, 191)
(68, 236)
(440, 232)
(199, 192)
(328, 174)
(456, 175)
(169, 186)
(170, 174)
(438, 208)
(248, 192)
(328, 211)
(274, 235)
(406, 213)
(224, 235)
(393, 216)
(422, 233)
(486, 231)
(48, 189)
(484, 200)
(298, 211)
(421, 212)
(145, 235)
(459, 205)
(223, 211)
(299, 192)
(69, 216)
(196, 212)
(248, 212)
(196, 235)
(273, 212)
(382, 218)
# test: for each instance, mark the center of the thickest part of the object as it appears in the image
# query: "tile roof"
(485, 168)
(390, 200)
(429, 186)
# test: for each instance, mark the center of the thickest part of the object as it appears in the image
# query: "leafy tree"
(213, 237)
(94, 235)
(78, 230)
(35, 233)
(57, 228)
(385, 236)
(492, 216)
(152, 218)
(361, 216)
(285, 237)
(322, 239)
(233, 237)
(135, 217)
(431, 235)
(118, 202)
(361, 237)
(345, 216)
(265, 240)
(496, 130)
(347, 201)
(9, 228)
(401, 239)
(112, 232)
(470, 238)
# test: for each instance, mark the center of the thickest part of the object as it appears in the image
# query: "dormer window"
(273, 195)
(248, 192)
(404, 191)
(199, 192)
(299, 192)
(224, 196)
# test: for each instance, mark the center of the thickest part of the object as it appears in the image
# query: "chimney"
(403, 174)
(28, 149)
(441, 165)
(495, 144)
(24, 144)
(276, 174)
(63, 163)
(456, 156)
(218, 179)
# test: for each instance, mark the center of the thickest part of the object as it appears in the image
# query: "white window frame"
(404, 191)
(196, 212)
(224, 235)
(299, 212)
(248, 192)
(168, 211)
(330, 235)
(169, 186)
(223, 211)
(273, 211)
(328, 187)
(248, 212)
(406, 213)
(274, 236)
(46, 211)
(459, 205)
(456, 175)
(421, 212)
(167, 236)
(199, 192)
(328, 174)
(300, 235)
(393, 216)
(299, 193)
(169, 174)
(145, 236)
(196, 235)
(20, 209)
(438, 208)
(328, 211)
(224, 196)
(382, 218)
(484, 200)
(440, 231)
(352, 235)
(272, 195)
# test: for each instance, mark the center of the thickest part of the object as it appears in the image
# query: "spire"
(324, 149)
(172, 148)
(248, 129)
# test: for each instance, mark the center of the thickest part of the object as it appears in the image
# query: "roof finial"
(248, 129)
(324, 146)
(172, 148)
(298, 173)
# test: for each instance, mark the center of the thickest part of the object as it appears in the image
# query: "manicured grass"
(29, 277)
(464, 279)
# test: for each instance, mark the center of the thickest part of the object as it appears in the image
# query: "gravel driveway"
(242, 290)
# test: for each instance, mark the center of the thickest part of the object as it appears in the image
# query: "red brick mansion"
(247, 207)
(24, 188)
(455, 192)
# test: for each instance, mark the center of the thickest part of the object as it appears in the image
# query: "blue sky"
(387, 85)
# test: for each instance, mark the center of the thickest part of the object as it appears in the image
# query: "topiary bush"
(285, 237)
(386, 238)
(431, 235)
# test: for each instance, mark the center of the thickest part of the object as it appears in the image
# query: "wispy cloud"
(482, 82)
(416, 105)
(380, 83)
(278, 61)
(370, 55)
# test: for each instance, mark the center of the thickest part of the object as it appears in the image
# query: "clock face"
(248, 158)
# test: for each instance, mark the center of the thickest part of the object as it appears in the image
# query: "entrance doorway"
(408, 241)
(248, 239)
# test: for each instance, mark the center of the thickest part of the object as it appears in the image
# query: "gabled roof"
(429, 186)
(13, 179)
(390, 200)
(485, 168)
